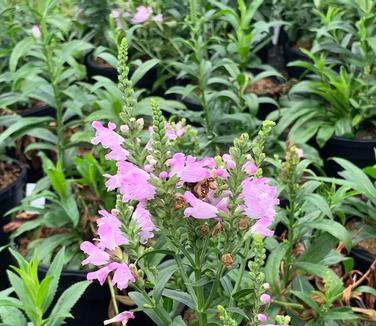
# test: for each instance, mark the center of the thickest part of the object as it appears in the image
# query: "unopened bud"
(217, 229)
(140, 122)
(227, 260)
(243, 224)
(204, 230)
(124, 128)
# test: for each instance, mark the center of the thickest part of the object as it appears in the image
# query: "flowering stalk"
(200, 212)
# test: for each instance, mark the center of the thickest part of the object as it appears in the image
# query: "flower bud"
(265, 298)
(124, 128)
(217, 229)
(149, 168)
(266, 286)
(243, 224)
(36, 31)
(262, 317)
(133, 269)
(227, 260)
(163, 175)
(140, 122)
(204, 230)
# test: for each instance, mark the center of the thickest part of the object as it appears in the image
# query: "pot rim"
(351, 140)
(21, 176)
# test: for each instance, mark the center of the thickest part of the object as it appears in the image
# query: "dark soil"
(266, 87)
(366, 133)
(34, 104)
(369, 245)
(303, 43)
(9, 172)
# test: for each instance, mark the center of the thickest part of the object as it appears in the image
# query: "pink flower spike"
(123, 317)
(142, 14)
(199, 209)
(122, 275)
(265, 298)
(158, 18)
(262, 318)
(36, 31)
(100, 275)
(96, 257)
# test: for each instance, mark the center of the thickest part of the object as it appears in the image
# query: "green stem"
(215, 286)
(113, 295)
(185, 278)
(57, 95)
(290, 238)
(201, 311)
(242, 269)
(289, 304)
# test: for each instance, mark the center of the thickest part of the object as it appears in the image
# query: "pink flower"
(250, 168)
(122, 275)
(100, 275)
(132, 182)
(123, 317)
(199, 209)
(126, 14)
(96, 257)
(163, 175)
(228, 160)
(259, 201)
(265, 298)
(188, 169)
(109, 231)
(219, 202)
(142, 216)
(109, 139)
(35, 30)
(142, 14)
(262, 317)
(158, 18)
(173, 133)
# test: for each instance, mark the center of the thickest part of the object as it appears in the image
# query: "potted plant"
(338, 108)
(33, 300)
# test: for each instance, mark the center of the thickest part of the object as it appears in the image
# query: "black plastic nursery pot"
(10, 197)
(359, 152)
(92, 307)
(292, 54)
(93, 69)
(38, 111)
(363, 259)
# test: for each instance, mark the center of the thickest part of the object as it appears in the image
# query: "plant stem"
(242, 269)
(290, 238)
(113, 295)
(201, 311)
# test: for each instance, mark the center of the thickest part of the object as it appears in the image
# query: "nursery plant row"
(187, 162)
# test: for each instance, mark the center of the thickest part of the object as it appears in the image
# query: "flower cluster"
(140, 16)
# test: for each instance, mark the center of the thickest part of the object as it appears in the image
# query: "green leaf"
(341, 313)
(179, 296)
(69, 204)
(55, 269)
(307, 300)
(142, 70)
(66, 302)
(335, 229)
(19, 51)
(11, 316)
(22, 125)
(163, 277)
(320, 203)
(272, 266)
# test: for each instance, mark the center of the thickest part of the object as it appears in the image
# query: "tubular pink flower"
(122, 275)
(100, 275)
(228, 160)
(143, 218)
(300, 153)
(188, 169)
(109, 231)
(199, 209)
(122, 318)
(109, 139)
(259, 201)
(35, 30)
(163, 175)
(96, 257)
(132, 182)
(142, 14)
(115, 13)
